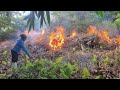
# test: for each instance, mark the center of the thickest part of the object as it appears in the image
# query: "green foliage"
(67, 71)
(2, 76)
(106, 60)
(4, 21)
(118, 59)
(95, 58)
(46, 69)
(74, 20)
(9, 24)
(100, 13)
(40, 14)
(98, 77)
(4, 53)
(101, 47)
(85, 73)
(4, 62)
(117, 21)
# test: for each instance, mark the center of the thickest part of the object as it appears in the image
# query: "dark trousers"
(14, 56)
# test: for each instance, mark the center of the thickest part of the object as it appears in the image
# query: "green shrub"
(45, 69)
(85, 73)
(95, 59)
(118, 59)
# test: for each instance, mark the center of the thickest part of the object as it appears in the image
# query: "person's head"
(23, 37)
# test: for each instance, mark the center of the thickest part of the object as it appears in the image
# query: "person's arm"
(24, 48)
(26, 51)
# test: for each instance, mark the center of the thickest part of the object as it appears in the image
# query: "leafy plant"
(95, 58)
(40, 14)
(85, 73)
(2, 76)
(4, 53)
(4, 62)
(67, 70)
(117, 21)
(98, 77)
(106, 60)
(100, 13)
(45, 69)
(118, 59)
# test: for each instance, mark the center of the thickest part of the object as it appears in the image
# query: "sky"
(24, 13)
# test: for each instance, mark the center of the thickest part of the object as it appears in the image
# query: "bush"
(45, 69)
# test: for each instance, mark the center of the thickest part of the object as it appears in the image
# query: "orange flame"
(73, 34)
(104, 37)
(92, 30)
(57, 38)
(117, 40)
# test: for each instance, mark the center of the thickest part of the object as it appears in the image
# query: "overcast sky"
(26, 12)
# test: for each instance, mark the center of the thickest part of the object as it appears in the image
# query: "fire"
(92, 30)
(73, 34)
(57, 38)
(117, 40)
(104, 37)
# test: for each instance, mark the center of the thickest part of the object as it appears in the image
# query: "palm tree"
(41, 15)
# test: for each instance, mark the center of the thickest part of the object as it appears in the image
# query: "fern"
(118, 59)
(4, 62)
(2, 76)
(46, 69)
(98, 77)
(106, 61)
(85, 73)
(58, 60)
(95, 59)
(4, 53)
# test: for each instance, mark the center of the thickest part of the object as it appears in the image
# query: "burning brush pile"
(100, 39)
(57, 44)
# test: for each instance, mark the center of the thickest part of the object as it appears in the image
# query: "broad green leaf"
(42, 18)
(45, 21)
(48, 16)
(28, 22)
(32, 22)
(27, 17)
(30, 26)
(100, 13)
(39, 14)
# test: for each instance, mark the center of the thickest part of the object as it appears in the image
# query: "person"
(15, 51)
